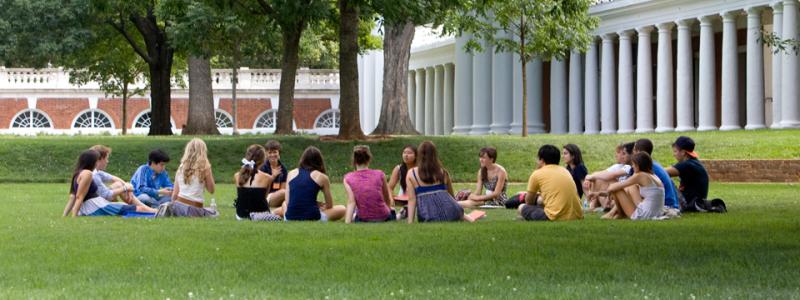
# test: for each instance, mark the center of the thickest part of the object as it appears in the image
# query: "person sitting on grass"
(117, 189)
(670, 194)
(83, 197)
(276, 192)
(551, 193)
(304, 184)
(151, 183)
(368, 195)
(573, 161)
(192, 179)
(490, 177)
(645, 199)
(430, 193)
(251, 187)
(599, 181)
(398, 176)
(694, 179)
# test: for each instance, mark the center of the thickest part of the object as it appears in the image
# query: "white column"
(644, 81)
(449, 70)
(707, 81)
(730, 67)
(535, 116)
(608, 92)
(625, 83)
(777, 28)
(502, 93)
(462, 102)
(438, 100)
(419, 113)
(755, 71)
(790, 91)
(558, 96)
(482, 91)
(592, 91)
(575, 93)
(412, 86)
(664, 87)
(684, 79)
(430, 94)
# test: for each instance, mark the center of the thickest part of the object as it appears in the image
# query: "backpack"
(702, 205)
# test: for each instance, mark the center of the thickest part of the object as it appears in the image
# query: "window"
(267, 120)
(31, 119)
(328, 120)
(143, 121)
(223, 119)
(92, 119)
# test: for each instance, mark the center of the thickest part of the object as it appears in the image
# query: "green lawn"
(751, 252)
(51, 158)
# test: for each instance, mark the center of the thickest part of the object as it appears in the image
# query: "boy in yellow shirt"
(555, 187)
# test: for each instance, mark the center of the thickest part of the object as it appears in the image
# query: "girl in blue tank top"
(304, 184)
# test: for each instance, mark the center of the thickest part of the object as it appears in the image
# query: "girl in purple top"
(368, 195)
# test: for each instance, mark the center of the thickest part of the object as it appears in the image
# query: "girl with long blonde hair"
(192, 179)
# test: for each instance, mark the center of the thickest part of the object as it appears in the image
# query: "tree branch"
(122, 30)
(266, 7)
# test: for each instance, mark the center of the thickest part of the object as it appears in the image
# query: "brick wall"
(307, 110)
(62, 110)
(10, 107)
(248, 109)
(753, 170)
(179, 107)
(113, 107)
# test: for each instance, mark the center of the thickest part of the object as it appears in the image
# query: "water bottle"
(585, 204)
(213, 204)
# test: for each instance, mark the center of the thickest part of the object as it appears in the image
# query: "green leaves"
(530, 28)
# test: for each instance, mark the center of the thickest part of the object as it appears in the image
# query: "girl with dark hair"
(368, 196)
(400, 171)
(251, 187)
(491, 177)
(304, 183)
(641, 196)
(573, 161)
(83, 197)
(430, 193)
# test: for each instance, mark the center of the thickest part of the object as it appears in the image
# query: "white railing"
(256, 79)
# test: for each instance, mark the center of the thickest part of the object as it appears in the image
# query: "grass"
(751, 252)
(51, 158)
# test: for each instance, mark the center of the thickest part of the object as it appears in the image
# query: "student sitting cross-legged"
(304, 184)
(276, 191)
(83, 198)
(398, 176)
(368, 196)
(557, 198)
(193, 178)
(491, 177)
(151, 183)
(251, 187)
(645, 199)
(430, 191)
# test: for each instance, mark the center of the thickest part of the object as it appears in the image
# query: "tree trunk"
(201, 98)
(124, 108)
(158, 56)
(160, 97)
(350, 123)
(289, 61)
(395, 117)
(234, 82)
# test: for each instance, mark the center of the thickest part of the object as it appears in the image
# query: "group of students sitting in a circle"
(636, 187)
